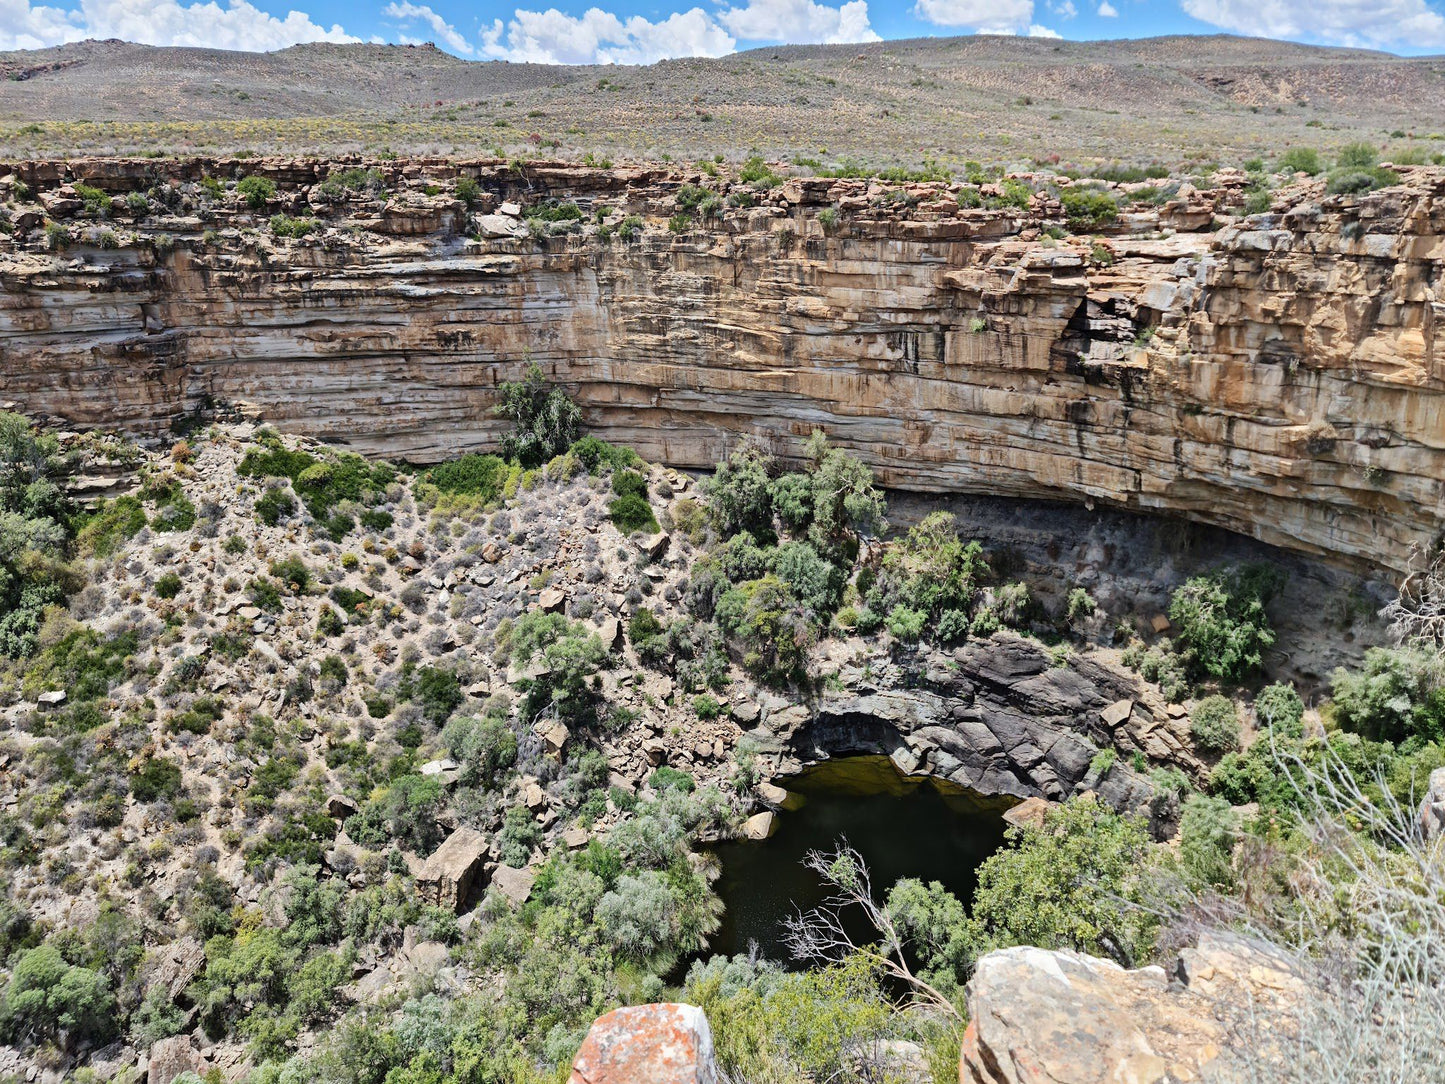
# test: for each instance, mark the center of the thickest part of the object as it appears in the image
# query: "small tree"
(545, 421)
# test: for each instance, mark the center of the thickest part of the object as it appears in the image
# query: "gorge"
(408, 755)
(1278, 376)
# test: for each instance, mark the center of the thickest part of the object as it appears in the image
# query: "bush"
(1280, 708)
(437, 691)
(740, 493)
(518, 836)
(48, 998)
(773, 629)
(1214, 725)
(1398, 693)
(1208, 828)
(273, 506)
(665, 778)
(479, 475)
(1220, 619)
(168, 585)
(632, 513)
(256, 191)
(157, 779)
(816, 583)
(628, 483)
(1088, 208)
(1357, 156)
(544, 419)
(1077, 882)
(1300, 160)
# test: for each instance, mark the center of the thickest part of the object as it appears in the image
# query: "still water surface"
(902, 827)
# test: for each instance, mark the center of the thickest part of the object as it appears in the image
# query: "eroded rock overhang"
(1278, 376)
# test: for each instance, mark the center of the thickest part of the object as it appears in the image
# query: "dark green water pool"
(902, 827)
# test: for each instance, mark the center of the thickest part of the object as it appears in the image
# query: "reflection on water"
(910, 827)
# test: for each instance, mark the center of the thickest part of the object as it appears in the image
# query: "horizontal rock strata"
(1278, 376)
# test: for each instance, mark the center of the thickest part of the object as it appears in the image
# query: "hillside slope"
(986, 97)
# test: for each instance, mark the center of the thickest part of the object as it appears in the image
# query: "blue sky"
(628, 31)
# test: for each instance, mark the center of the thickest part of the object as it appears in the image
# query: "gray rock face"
(1000, 717)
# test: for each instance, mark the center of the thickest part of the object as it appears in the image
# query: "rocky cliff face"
(1278, 376)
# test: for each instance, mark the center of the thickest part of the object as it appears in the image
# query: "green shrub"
(48, 999)
(256, 191)
(113, 523)
(1280, 708)
(518, 836)
(772, 628)
(632, 513)
(1301, 160)
(1398, 693)
(1357, 156)
(480, 475)
(293, 573)
(286, 226)
(629, 483)
(265, 594)
(1220, 619)
(469, 191)
(1214, 725)
(1208, 829)
(273, 506)
(156, 779)
(168, 585)
(665, 778)
(437, 690)
(1088, 208)
(1351, 181)
(1076, 882)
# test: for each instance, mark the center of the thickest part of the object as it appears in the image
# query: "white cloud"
(1344, 22)
(445, 32)
(1037, 31)
(799, 22)
(600, 37)
(1064, 10)
(1108, 10)
(239, 25)
(989, 16)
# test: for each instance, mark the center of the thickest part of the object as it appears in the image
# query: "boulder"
(1432, 807)
(760, 826)
(448, 875)
(1038, 1016)
(515, 884)
(340, 806)
(169, 1058)
(647, 1044)
(1030, 812)
(52, 699)
(552, 600)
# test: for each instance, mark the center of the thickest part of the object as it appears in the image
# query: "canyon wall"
(1277, 375)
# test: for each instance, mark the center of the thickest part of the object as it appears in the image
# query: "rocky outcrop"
(1278, 376)
(1040, 1017)
(1001, 717)
(647, 1044)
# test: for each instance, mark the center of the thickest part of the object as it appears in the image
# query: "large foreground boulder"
(647, 1044)
(1041, 1017)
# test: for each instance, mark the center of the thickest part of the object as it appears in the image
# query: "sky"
(643, 31)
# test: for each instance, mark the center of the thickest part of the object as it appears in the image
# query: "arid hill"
(1002, 99)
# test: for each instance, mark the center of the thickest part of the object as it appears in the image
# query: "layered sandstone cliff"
(1277, 375)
